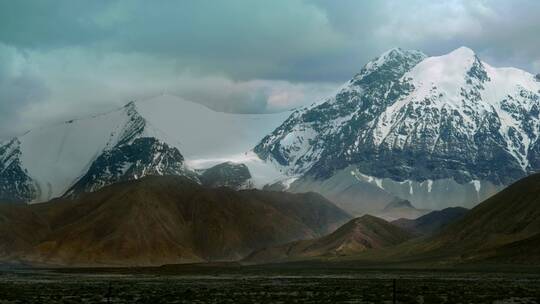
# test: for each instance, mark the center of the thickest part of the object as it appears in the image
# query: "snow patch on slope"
(201, 133)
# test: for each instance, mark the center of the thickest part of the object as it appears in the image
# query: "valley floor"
(265, 285)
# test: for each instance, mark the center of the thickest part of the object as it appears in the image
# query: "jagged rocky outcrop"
(228, 174)
(129, 161)
(15, 184)
(411, 119)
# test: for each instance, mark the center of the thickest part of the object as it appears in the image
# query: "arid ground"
(267, 285)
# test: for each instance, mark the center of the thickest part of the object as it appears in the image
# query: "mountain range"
(437, 132)
(160, 220)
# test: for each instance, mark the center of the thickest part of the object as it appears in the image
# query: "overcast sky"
(65, 58)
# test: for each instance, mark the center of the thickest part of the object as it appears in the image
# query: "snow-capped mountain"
(437, 131)
(161, 136)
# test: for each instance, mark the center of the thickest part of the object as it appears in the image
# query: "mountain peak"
(398, 203)
(395, 53)
(463, 51)
(130, 104)
(391, 64)
(462, 54)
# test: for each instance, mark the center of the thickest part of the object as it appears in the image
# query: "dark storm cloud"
(237, 55)
(282, 39)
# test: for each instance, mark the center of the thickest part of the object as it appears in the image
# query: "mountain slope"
(169, 219)
(432, 222)
(20, 228)
(436, 127)
(509, 216)
(347, 191)
(360, 234)
(504, 228)
(96, 150)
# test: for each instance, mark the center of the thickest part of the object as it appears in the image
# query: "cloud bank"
(66, 58)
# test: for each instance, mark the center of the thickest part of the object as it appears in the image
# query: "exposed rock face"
(15, 184)
(311, 134)
(129, 161)
(236, 176)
